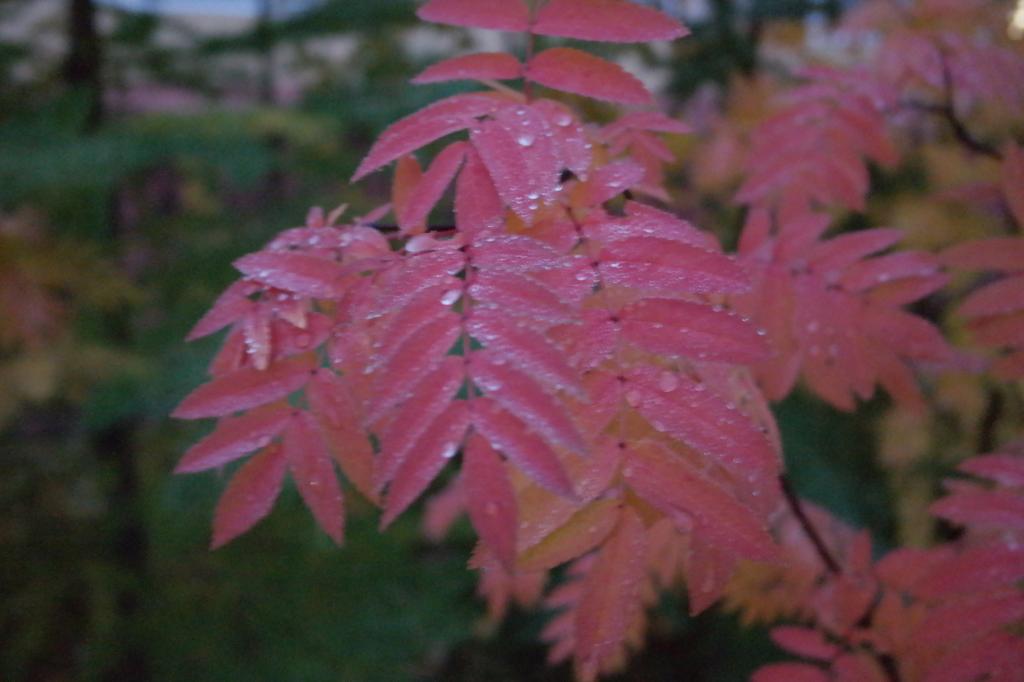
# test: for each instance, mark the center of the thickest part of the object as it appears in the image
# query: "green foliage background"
(104, 568)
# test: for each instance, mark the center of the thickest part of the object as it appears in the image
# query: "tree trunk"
(83, 65)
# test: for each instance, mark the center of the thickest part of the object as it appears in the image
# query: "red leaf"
(522, 396)
(674, 328)
(425, 126)
(695, 502)
(523, 447)
(313, 472)
(1013, 181)
(515, 254)
(500, 15)
(331, 401)
(572, 145)
(420, 355)
(244, 389)
(687, 410)
(651, 121)
(982, 508)
(431, 186)
(299, 273)
(580, 73)
(613, 179)
(1004, 254)
(249, 496)
(789, 672)
(516, 147)
(398, 285)
(613, 21)
(805, 642)
(584, 531)
(666, 267)
(426, 403)
(490, 499)
(478, 208)
(519, 297)
(481, 66)
(1006, 470)
(235, 437)
(527, 350)
(230, 307)
(998, 298)
(437, 445)
(611, 596)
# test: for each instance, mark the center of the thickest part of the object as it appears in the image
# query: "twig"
(812, 533)
(947, 111)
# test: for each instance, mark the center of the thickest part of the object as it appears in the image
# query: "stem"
(805, 522)
(947, 111)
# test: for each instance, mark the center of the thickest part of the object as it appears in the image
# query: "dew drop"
(450, 297)
(449, 450)
(525, 140)
(668, 382)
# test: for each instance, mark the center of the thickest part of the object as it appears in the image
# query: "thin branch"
(947, 111)
(805, 522)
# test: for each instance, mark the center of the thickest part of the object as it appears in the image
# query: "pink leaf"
(478, 208)
(517, 150)
(438, 444)
(244, 389)
(575, 71)
(584, 531)
(520, 445)
(805, 642)
(789, 672)
(1006, 470)
(687, 410)
(490, 499)
(665, 267)
(481, 66)
(982, 508)
(614, 21)
(313, 471)
(680, 328)
(235, 437)
(518, 393)
(651, 121)
(1013, 181)
(671, 484)
(431, 186)
(515, 254)
(420, 355)
(330, 400)
(299, 273)
(611, 596)
(230, 307)
(249, 496)
(613, 179)
(500, 15)
(519, 297)
(998, 298)
(572, 145)
(425, 126)
(426, 403)
(528, 350)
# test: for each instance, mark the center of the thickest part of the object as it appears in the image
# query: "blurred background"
(145, 144)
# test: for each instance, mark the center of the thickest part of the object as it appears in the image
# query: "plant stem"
(796, 507)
